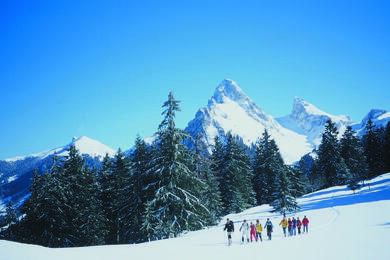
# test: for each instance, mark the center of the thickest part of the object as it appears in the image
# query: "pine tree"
(373, 150)
(353, 155)
(10, 220)
(284, 200)
(139, 179)
(297, 181)
(91, 229)
(45, 222)
(237, 167)
(330, 162)
(175, 205)
(386, 148)
(210, 195)
(217, 165)
(267, 164)
(119, 192)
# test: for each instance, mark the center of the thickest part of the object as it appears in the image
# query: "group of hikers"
(253, 231)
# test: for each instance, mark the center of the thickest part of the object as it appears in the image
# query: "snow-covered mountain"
(84, 145)
(308, 120)
(228, 110)
(379, 117)
(231, 110)
(15, 173)
(343, 225)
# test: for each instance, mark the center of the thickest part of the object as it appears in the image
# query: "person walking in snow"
(253, 232)
(284, 224)
(229, 227)
(294, 226)
(268, 225)
(305, 222)
(299, 225)
(289, 227)
(259, 229)
(245, 231)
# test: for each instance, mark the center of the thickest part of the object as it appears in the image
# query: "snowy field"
(342, 225)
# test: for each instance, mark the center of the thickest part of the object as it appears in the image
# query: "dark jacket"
(229, 226)
(269, 226)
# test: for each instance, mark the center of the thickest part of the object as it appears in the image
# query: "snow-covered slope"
(231, 110)
(343, 225)
(308, 120)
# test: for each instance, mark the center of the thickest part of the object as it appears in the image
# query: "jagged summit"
(375, 114)
(229, 89)
(379, 117)
(231, 110)
(302, 107)
(307, 119)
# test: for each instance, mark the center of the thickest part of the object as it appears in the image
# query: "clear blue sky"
(104, 68)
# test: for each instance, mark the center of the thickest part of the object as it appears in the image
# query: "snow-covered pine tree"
(139, 180)
(353, 154)
(210, 195)
(46, 219)
(236, 174)
(267, 163)
(284, 201)
(216, 160)
(105, 193)
(297, 180)
(84, 220)
(175, 205)
(373, 150)
(121, 199)
(92, 227)
(329, 157)
(304, 167)
(11, 219)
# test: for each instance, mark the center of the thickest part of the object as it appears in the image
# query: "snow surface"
(342, 225)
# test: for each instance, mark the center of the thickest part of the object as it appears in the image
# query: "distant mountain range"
(228, 110)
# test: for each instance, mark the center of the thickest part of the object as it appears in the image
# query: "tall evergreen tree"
(175, 205)
(139, 179)
(386, 148)
(10, 220)
(216, 160)
(353, 155)
(237, 175)
(284, 201)
(330, 162)
(297, 180)
(121, 197)
(210, 196)
(373, 150)
(45, 220)
(90, 220)
(267, 164)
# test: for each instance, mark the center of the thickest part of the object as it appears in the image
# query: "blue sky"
(104, 68)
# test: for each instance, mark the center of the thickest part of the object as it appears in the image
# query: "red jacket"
(253, 229)
(305, 221)
(299, 223)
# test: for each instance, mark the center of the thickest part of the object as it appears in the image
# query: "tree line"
(160, 190)
(349, 160)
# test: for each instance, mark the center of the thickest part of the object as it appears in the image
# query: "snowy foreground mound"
(342, 225)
